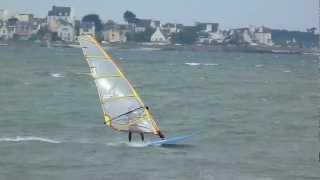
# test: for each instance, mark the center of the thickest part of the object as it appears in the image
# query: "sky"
(279, 14)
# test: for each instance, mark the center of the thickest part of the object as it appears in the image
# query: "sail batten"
(122, 107)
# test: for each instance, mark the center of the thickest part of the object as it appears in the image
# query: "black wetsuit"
(130, 136)
(161, 135)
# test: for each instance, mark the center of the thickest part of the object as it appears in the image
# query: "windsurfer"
(142, 135)
(130, 136)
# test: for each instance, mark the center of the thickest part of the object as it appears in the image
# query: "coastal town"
(61, 27)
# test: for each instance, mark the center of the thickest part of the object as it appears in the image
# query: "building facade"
(59, 13)
(263, 36)
(25, 17)
(207, 27)
(24, 30)
(112, 36)
(3, 14)
(87, 28)
(158, 36)
(66, 31)
(3, 30)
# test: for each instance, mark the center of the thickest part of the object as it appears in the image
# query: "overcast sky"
(289, 14)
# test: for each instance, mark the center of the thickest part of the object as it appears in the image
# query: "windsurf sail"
(123, 109)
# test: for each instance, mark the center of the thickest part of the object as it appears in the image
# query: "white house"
(12, 28)
(3, 30)
(171, 28)
(87, 28)
(247, 36)
(158, 36)
(218, 36)
(242, 35)
(59, 13)
(207, 27)
(263, 36)
(155, 24)
(65, 31)
(25, 17)
(3, 14)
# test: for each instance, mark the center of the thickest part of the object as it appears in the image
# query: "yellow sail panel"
(122, 107)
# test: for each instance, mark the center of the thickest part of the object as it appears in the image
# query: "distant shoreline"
(219, 48)
(172, 47)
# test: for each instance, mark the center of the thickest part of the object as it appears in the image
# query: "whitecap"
(28, 138)
(259, 65)
(129, 144)
(286, 71)
(192, 64)
(211, 64)
(149, 49)
(83, 73)
(57, 75)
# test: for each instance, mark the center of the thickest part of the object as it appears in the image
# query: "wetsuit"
(161, 135)
(130, 136)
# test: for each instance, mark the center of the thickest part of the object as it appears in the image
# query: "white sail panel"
(123, 109)
(102, 68)
(92, 50)
(127, 113)
(113, 88)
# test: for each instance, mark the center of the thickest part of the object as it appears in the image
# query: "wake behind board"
(170, 141)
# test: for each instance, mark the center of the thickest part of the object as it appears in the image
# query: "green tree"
(186, 36)
(130, 17)
(95, 19)
(140, 36)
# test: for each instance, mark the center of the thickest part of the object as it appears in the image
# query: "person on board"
(130, 136)
(142, 135)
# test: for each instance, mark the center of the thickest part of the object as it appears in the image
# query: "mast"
(319, 25)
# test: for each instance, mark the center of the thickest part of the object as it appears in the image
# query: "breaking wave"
(83, 73)
(259, 66)
(28, 138)
(57, 75)
(211, 64)
(192, 64)
(198, 64)
(128, 144)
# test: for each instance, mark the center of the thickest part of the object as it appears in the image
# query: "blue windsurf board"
(170, 141)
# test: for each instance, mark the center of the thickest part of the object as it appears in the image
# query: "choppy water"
(256, 115)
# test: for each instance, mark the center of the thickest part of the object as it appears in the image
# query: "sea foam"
(128, 144)
(192, 64)
(211, 64)
(28, 138)
(57, 75)
(198, 64)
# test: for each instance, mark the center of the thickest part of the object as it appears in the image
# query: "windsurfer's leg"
(129, 136)
(142, 136)
(161, 135)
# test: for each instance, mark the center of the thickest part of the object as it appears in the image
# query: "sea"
(254, 116)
